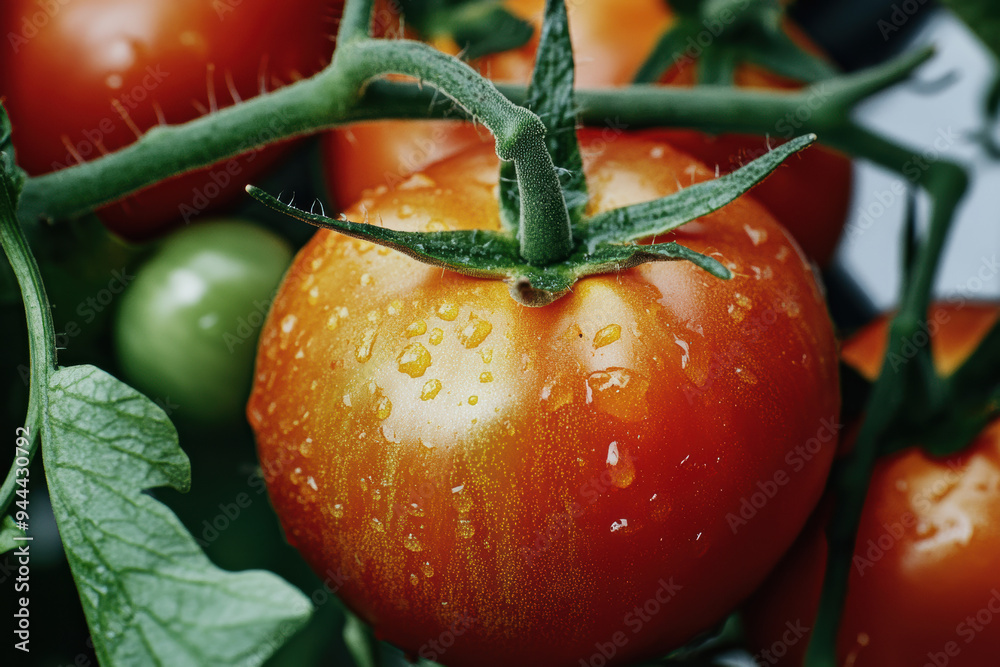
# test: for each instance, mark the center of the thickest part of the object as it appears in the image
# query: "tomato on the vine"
(87, 77)
(809, 194)
(186, 329)
(545, 485)
(924, 587)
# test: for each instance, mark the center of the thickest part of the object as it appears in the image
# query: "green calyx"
(715, 36)
(547, 242)
(605, 243)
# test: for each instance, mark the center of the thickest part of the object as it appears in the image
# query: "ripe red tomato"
(809, 194)
(501, 485)
(87, 76)
(924, 588)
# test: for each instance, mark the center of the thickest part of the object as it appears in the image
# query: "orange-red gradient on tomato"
(86, 77)
(924, 586)
(551, 481)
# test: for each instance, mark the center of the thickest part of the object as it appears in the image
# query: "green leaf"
(149, 593)
(9, 531)
(360, 641)
(550, 96)
(660, 216)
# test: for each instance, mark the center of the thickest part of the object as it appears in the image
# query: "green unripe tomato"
(187, 328)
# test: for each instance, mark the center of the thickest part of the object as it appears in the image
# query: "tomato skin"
(186, 327)
(809, 194)
(97, 71)
(925, 557)
(540, 475)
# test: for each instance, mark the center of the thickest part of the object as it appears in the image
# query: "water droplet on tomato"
(377, 525)
(437, 335)
(736, 312)
(414, 580)
(619, 392)
(474, 332)
(757, 236)
(363, 350)
(447, 311)
(555, 395)
(485, 377)
(338, 511)
(612, 454)
(412, 543)
(465, 529)
(607, 335)
(306, 447)
(430, 390)
(746, 376)
(620, 466)
(427, 569)
(288, 323)
(473, 400)
(685, 351)
(383, 408)
(417, 328)
(414, 360)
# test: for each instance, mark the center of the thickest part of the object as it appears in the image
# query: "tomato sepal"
(751, 32)
(551, 96)
(495, 255)
(659, 216)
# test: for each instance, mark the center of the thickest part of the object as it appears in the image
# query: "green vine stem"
(41, 330)
(310, 105)
(330, 99)
(946, 183)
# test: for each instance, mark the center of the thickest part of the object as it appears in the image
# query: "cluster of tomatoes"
(591, 482)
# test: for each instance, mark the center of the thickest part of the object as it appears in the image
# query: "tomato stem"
(946, 184)
(327, 100)
(355, 22)
(41, 329)
(545, 228)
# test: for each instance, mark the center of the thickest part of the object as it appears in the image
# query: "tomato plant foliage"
(149, 593)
